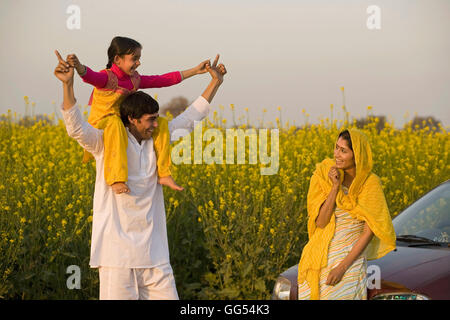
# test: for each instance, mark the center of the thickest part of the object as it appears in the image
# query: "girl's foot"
(169, 182)
(120, 187)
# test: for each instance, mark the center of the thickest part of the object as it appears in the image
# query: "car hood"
(421, 269)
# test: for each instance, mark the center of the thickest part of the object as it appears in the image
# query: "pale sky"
(293, 54)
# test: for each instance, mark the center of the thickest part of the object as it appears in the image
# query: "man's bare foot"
(120, 187)
(169, 182)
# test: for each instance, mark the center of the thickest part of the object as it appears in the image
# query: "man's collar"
(131, 136)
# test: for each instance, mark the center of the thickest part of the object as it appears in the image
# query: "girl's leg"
(161, 141)
(116, 141)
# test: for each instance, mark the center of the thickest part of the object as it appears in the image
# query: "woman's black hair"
(121, 46)
(136, 105)
(346, 136)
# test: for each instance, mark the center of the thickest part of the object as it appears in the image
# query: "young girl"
(112, 85)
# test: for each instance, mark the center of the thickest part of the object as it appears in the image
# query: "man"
(129, 237)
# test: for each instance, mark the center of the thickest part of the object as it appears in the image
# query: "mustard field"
(231, 231)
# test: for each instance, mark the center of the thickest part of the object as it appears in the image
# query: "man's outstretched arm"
(87, 136)
(217, 72)
(199, 109)
(64, 72)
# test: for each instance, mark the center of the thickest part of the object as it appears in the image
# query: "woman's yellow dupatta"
(365, 201)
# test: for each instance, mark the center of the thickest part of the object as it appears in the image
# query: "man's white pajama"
(155, 283)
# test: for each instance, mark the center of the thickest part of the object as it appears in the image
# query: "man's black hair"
(136, 105)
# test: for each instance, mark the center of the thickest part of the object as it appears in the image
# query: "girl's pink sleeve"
(165, 80)
(97, 79)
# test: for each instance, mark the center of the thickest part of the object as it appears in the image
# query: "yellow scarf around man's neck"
(365, 201)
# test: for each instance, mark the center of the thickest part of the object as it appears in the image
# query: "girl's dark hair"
(121, 46)
(346, 136)
(136, 105)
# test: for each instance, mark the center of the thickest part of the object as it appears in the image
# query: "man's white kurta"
(129, 230)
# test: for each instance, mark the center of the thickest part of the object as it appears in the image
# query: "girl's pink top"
(99, 79)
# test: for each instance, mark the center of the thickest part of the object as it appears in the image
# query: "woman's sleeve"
(97, 79)
(165, 80)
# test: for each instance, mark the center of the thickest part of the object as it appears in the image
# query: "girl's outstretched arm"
(201, 68)
(160, 81)
(97, 79)
(172, 78)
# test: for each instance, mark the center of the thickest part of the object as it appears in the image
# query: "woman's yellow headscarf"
(365, 201)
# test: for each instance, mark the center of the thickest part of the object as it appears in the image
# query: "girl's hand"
(201, 68)
(335, 275)
(63, 70)
(334, 176)
(72, 59)
(217, 71)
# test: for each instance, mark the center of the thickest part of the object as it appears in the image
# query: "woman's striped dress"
(353, 285)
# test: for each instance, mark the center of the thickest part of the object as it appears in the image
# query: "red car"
(418, 269)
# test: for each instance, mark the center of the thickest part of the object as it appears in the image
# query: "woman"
(348, 223)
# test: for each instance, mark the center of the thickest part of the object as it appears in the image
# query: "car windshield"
(428, 217)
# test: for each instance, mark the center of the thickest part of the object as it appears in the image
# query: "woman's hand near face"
(327, 208)
(334, 176)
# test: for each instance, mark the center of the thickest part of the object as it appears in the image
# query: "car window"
(428, 217)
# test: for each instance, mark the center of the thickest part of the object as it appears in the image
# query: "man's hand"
(72, 59)
(216, 71)
(63, 70)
